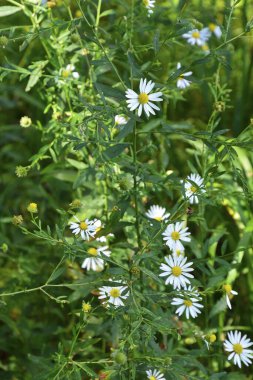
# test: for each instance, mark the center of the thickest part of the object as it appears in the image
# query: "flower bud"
(25, 122)
(32, 208)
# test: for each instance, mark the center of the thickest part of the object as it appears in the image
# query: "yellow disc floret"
(175, 235)
(238, 348)
(195, 34)
(176, 271)
(143, 98)
(86, 307)
(32, 207)
(114, 292)
(227, 288)
(83, 226)
(152, 378)
(92, 251)
(188, 303)
(193, 189)
(158, 218)
(212, 27)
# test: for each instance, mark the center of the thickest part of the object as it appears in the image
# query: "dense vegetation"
(87, 300)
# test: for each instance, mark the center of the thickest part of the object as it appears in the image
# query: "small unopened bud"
(4, 247)
(17, 219)
(25, 122)
(76, 203)
(211, 338)
(51, 4)
(220, 106)
(119, 357)
(3, 41)
(21, 171)
(135, 271)
(32, 208)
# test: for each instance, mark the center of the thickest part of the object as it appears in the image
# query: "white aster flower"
(177, 271)
(149, 4)
(120, 120)
(182, 82)
(85, 228)
(173, 235)
(144, 100)
(238, 346)
(215, 29)
(96, 262)
(104, 239)
(158, 213)
(197, 37)
(229, 294)
(114, 294)
(69, 70)
(188, 302)
(155, 375)
(193, 186)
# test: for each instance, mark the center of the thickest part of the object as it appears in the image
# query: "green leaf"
(35, 74)
(114, 150)
(8, 10)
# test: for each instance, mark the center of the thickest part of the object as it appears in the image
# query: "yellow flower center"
(195, 34)
(115, 293)
(193, 189)
(143, 98)
(146, 3)
(238, 348)
(152, 378)
(93, 251)
(178, 252)
(65, 73)
(176, 271)
(86, 307)
(227, 288)
(212, 338)
(205, 47)
(188, 303)
(175, 235)
(83, 226)
(212, 27)
(158, 218)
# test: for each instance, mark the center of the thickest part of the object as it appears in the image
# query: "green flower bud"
(119, 357)
(3, 41)
(17, 219)
(21, 171)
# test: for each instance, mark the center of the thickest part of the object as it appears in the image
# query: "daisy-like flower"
(188, 302)
(114, 294)
(149, 4)
(196, 37)
(182, 82)
(229, 294)
(173, 235)
(215, 29)
(238, 348)
(144, 100)
(194, 184)
(158, 213)
(69, 70)
(95, 261)
(85, 228)
(155, 375)
(104, 239)
(177, 270)
(120, 120)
